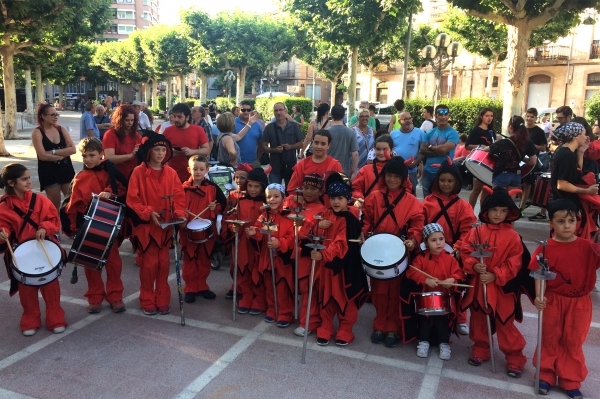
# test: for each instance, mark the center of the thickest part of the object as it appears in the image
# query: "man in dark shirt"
(281, 139)
(537, 135)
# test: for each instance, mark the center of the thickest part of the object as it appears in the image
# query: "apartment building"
(129, 15)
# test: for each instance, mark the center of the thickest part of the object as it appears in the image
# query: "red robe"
(457, 220)
(86, 183)
(46, 216)
(308, 166)
(284, 272)
(196, 257)
(365, 179)
(409, 217)
(505, 263)
(568, 312)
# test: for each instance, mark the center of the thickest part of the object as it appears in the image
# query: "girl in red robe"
(155, 195)
(25, 215)
(200, 193)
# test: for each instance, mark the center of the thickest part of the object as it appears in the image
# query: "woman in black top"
(53, 147)
(510, 152)
(481, 135)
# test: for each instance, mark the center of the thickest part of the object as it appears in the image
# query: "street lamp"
(229, 79)
(271, 74)
(439, 56)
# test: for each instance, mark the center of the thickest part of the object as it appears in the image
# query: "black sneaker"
(229, 294)
(340, 342)
(391, 339)
(255, 312)
(514, 372)
(377, 337)
(322, 342)
(243, 310)
(537, 216)
(206, 294)
(190, 297)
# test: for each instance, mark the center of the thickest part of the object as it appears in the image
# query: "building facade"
(128, 16)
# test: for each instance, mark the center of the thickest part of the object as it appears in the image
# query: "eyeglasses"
(245, 109)
(406, 119)
(560, 118)
(52, 115)
(442, 112)
(364, 116)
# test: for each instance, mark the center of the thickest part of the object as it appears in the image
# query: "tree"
(241, 40)
(53, 24)
(421, 37)
(522, 18)
(93, 73)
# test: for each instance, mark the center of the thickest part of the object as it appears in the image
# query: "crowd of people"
(351, 183)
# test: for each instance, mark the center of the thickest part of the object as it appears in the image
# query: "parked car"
(550, 114)
(383, 113)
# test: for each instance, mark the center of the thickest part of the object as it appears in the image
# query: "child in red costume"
(281, 244)
(97, 177)
(438, 263)
(318, 163)
(200, 193)
(247, 208)
(396, 211)
(454, 214)
(25, 215)
(155, 195)
(343, 286)
(312, 189)
(498, 212)
(567, 304)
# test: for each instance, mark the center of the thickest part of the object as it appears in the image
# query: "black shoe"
(340, 342)
(229, 294)
(377, 337)
(322, 342)
(537, 216)
(391, 339)
(190, 297)
(207, 294)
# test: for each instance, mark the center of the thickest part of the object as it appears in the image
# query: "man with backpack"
(428, 121)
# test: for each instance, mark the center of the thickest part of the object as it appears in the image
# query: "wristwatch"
(53, 151)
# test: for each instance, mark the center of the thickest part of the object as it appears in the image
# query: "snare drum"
(95, 238)
(384, 256)
(199, 231)
(33, 268)
(432, 303)
(542, 193)
(481, 164)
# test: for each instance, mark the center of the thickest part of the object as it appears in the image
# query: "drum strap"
(368, 190)
(444, 212)
(27, 216)
(389, 207)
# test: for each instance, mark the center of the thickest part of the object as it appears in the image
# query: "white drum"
(384, 256)
(33, 268)
(199, 231)
(447, 247)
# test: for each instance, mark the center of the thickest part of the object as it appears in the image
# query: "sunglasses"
(52, 115)
(246, 109)
(442, 112)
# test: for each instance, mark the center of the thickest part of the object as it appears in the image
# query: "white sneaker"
(462, 329)
(423, 349)
(299, 331)
(29, 333)
(445, 351)
(59, 330)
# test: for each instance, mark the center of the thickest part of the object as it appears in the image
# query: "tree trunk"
(39, 85)
(97, 92)
(3, 152)
(203, 87)
(168, 93)
(120, 91)
(146, 92)
(181, 88)
(240, 84)
(417, 82)
(490, 77)
(370, 92)
(10, 95)
(61, 97)
(28, 91)
(519, 37)
(353, 63)
(154, 92)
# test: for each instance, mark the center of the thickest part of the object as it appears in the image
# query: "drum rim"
(200, 221)
(433, 312)
(22, 273)
(430, 293)
(404, 256)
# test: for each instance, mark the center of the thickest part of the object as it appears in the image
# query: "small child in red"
(200, 193)
(498, 212)
(155, 195)
(567, 304)
(438, 263)
(25, 215)
(367, 180)
(281, 245)
(312, 189)
(97, 177)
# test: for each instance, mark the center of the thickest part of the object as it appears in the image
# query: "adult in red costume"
(155, 195)
(122, 141)
(102, 178)
(395, 211)
(25, 215)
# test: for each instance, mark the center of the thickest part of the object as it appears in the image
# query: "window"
(125, 29)
(112, 29)
(114, 13)
(494, 82)
(146, 2)
(125, 2)
(593, 79)
(147, 16)
(125, 14)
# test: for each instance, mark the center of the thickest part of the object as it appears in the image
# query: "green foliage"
(265, 106)
(191, 102)
(162, 102)
(224, 104)
(165, 50)
(592, 108)
(329, 60)
(305, 103)
(421, 37)
(155, 111)
(304, 128)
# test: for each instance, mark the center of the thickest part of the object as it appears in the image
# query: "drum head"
(31, 258)
(199, 224)
(382, 250)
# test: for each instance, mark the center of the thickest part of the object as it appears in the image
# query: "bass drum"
(384, 256)
(481, 165)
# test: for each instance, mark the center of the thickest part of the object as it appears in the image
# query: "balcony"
(595, 50)
(551, 52)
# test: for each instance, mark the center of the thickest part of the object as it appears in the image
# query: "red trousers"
(315, 311)
(285, 300)
(565, 327)
(195, 271)
(31, 319)
(385, 295)
(154, 275)
(347, 321)
(510, 340)
(114, 285)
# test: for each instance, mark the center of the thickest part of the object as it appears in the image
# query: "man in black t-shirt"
(538, 137)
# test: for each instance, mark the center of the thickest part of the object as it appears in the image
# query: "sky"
(169, 9)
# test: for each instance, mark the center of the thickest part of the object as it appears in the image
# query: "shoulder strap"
(27, 216)
(514, 145)
(389, 208)
(444, 212)
(372, 186)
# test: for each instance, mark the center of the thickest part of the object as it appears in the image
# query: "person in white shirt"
(143, 118)
(428, 121)
(546, 125)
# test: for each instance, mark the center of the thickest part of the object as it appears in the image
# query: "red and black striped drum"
(95, 238)
(542, 192)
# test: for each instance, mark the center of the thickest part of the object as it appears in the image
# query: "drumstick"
(46, 252)
(461, 285)
(198, 215)
(430, 276)
(12, 254)
(421, 271)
